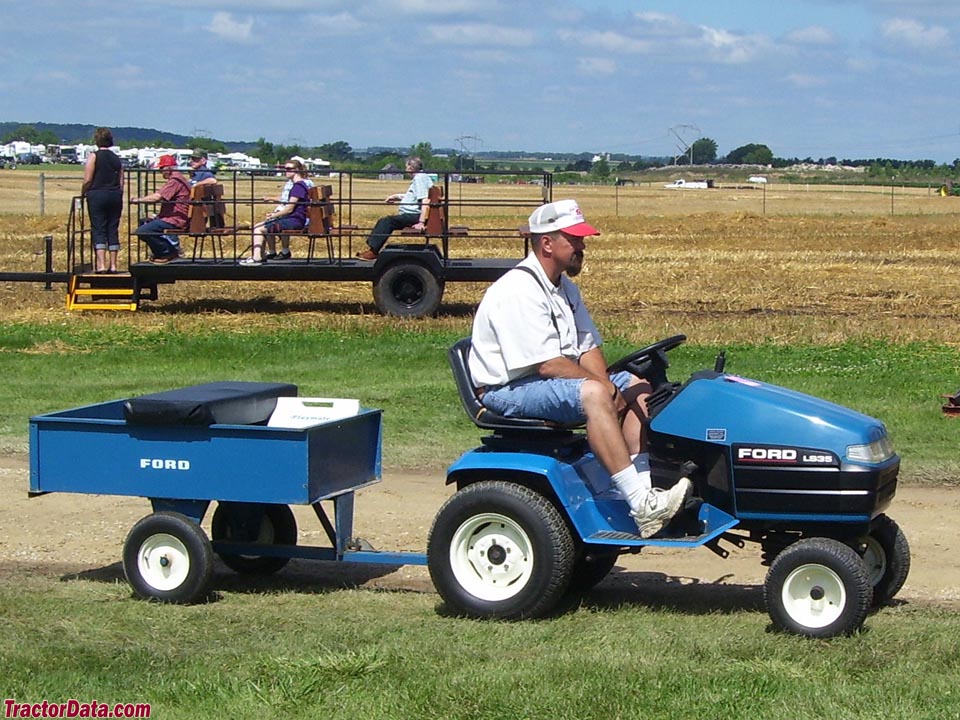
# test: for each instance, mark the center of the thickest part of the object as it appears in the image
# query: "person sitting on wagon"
(537, 353)
(412, 211)
(174, 199)
(291, 214)
(200, 172)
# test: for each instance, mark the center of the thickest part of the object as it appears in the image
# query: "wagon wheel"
(407, 289)
(167, 557)
(886, 554)
(500, 550)
(261, 523)
(818, 587)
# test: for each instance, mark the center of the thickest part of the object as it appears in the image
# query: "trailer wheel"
(407, 289)
(591, 566)
(818, 587)
(167, 557)
(262, 523)
(886, 554)
(500, 550)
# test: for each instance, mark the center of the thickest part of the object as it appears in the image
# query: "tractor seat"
(481, 416)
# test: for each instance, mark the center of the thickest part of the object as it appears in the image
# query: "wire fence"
(27, 193)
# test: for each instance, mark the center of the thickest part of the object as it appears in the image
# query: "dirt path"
(82, 535)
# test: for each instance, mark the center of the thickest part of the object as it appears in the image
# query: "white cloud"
(728, 47)
(225, 26)
(608, 41)
(480, 34)
(915, 34)
(815, 35)
(805, 81)
(441, 7)
(596, 66)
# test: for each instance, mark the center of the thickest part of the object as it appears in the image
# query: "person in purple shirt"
(290, 216)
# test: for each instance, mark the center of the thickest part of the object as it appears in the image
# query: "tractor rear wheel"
(500, 550)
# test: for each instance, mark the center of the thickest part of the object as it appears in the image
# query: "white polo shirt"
(524, 321)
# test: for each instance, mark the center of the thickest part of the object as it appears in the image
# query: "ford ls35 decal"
(783, 455)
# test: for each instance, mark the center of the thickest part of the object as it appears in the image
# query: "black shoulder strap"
(553, 316)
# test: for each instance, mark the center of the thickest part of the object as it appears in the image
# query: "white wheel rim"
(491, 557)
(163, 562)
(814, 596)
(875, 560)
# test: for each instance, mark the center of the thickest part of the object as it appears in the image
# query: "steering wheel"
(650, 362)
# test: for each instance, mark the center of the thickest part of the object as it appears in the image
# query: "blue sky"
(850, 78)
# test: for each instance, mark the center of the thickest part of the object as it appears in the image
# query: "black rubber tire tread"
(282, 526)
(838, 557)
(196, 585)
(553, 550)
(407, 278)
(894, 543)
(591, 566)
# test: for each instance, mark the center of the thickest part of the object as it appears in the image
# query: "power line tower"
(685, 146)
(463, 141)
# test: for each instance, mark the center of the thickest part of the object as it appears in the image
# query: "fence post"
(48, 251)
(42, 179)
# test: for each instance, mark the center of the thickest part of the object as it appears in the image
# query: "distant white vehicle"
(756, 179)
(690, 184)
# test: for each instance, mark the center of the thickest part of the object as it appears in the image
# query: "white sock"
(641, 461)
(633, 485)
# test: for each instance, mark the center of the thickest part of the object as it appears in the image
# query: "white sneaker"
(250, 262)
(660, 506)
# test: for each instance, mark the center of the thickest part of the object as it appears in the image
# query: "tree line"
(703, 151)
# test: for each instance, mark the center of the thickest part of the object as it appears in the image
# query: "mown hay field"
(785, 263)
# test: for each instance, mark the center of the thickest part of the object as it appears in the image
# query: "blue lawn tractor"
(535, 516)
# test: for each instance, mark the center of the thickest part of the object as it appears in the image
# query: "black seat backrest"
(458, 356)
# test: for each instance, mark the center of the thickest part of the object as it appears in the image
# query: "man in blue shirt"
(200, 174)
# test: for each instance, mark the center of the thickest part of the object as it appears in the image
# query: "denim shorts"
(278, 226)
(555, 399)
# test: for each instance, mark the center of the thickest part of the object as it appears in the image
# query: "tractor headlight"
(876, 452)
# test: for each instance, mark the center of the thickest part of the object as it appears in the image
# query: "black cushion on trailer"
(229, 403)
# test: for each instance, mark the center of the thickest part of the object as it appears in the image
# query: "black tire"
(886, 555)
(819, 588)
(167, 557)
(591, 566)
(255, 523)
(407, 289)
(500, 550)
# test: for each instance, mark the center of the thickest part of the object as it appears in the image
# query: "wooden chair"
(319, 220)
(436, 218)
(196, 218)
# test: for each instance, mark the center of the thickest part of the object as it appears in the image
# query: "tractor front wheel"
(818, 587)
(886, 554)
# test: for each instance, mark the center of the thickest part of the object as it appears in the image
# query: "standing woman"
(103, 189)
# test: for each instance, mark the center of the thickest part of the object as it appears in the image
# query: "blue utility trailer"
(182, 463)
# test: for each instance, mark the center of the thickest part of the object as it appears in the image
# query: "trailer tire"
(263, 523)
(167, 557)
(500, 550)
(818, 587)
(886, 554)
(407, 289)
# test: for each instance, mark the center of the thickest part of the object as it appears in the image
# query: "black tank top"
(106, 173)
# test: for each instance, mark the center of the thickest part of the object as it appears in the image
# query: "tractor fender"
(552, 478)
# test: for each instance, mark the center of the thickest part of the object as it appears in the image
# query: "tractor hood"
(731, 410)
